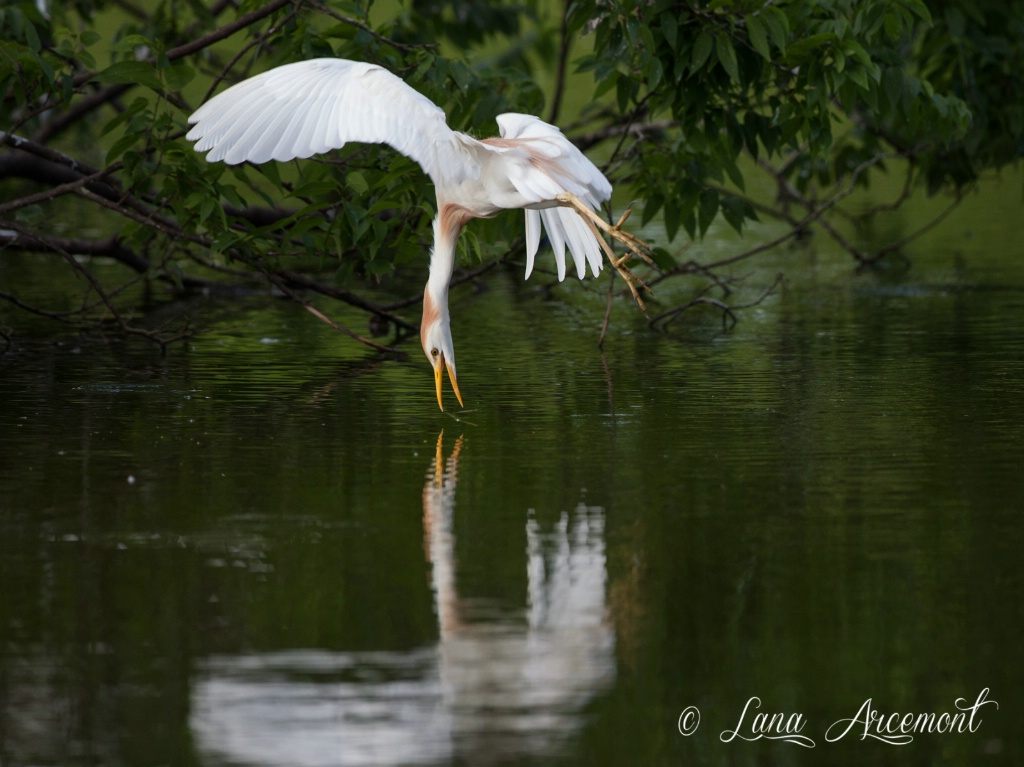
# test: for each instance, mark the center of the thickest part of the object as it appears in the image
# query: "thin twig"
(805, 222)
(462, 277)
(895, 247)
(105, 95)
(305, 283)
(564, 44)
(665, 318)
(106, 298)
(370, 30)
(607, 309)
(281, 284)
(72, 187)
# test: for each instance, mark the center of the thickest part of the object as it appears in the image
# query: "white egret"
(309, 107)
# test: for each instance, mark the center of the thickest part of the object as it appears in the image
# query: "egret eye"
(433, 352)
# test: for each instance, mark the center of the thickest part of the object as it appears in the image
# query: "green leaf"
(178, 75)
(654, 74)
(384, 204)
(892, 82)
(701, 51)
(340, 32)
(356, 181)
(690, 224)
(911, 90)
(858, 52)
(663, 259)
(32, 38)
(625, 90)
(130, 72)
(707, 209)
(207, 207)
(859, 76)
(839, 59)
(651, 207)
(272, 173)
(314, 189)
(606, 83)
(129, 43)
(778, 26)
(735, 175)
(809, 44)
(672, 213)
(737, 212)
(893, 25)
(130, 138)
(670, 29)
(138, 106)
(758, 36)
(727, 57)
(232, 196)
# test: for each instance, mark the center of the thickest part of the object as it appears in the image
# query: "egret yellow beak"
(439, 376)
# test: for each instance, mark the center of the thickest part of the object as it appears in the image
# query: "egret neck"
(435, 328)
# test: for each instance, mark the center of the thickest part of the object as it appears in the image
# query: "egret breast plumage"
(311, 107)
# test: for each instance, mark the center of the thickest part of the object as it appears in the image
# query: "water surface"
(270, 548)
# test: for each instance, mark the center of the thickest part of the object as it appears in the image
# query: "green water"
(270, 548)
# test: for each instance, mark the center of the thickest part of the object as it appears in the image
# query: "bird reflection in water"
(499, 683)
(503, 679)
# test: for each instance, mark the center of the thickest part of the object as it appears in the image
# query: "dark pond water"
(269, 548)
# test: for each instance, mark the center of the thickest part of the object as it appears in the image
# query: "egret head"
(436, 337)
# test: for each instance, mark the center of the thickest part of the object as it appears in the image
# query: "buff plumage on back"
(310, 107)
(568, 170)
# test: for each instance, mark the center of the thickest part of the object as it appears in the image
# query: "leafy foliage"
(825, 84)
(688, 97)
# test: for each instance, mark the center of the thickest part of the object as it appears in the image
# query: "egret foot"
(634, 245)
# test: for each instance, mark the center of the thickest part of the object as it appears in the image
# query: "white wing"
(558, 167)
(310, 107)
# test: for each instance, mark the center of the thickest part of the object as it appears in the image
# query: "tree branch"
(294, 279)
(664, 319)
(105, 299)
(284, 288)
(69, 117)
(564, 44)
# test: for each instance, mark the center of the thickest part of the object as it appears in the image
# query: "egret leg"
(634, 245)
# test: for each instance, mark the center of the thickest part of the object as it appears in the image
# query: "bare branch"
(811, 217)
(105, 299)
(294, 279)
(106, 95)
(370, 30)
(564, 44)
(283, 286)
(895, 247)
(110, 247)
(72, 187)
(729, 319)
(607, 309)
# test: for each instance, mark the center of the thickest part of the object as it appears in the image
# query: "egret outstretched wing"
(310, 107)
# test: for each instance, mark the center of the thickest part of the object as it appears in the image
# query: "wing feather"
(309, 107)
(532, 238)
(557, 166)
(556, 233)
